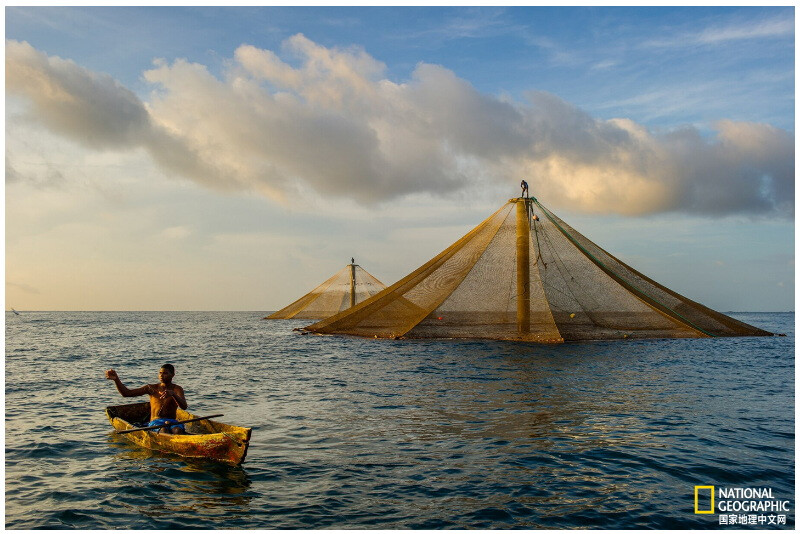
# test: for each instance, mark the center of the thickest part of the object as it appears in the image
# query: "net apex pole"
(523, 268)
(352, 284)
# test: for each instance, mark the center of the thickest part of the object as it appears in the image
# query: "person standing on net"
(524, 185)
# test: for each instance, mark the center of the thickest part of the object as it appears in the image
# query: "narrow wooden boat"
(207, 439)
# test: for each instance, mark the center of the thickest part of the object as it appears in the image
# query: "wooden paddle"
(169, 424)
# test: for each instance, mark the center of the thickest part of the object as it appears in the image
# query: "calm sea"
(360, 433)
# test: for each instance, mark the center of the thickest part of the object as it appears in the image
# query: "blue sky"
(665, 134)
(609, 61)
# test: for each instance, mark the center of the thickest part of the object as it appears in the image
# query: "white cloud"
(781, 27)
(605, 64)
(735, 31)
(176, 232)
(327, 120)
(469, 23)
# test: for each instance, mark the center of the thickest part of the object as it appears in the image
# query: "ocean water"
(377, 434)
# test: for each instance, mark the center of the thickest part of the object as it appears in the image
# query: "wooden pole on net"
(523, 268)
(352, 284)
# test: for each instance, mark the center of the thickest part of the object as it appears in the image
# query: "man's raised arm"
(125, 392)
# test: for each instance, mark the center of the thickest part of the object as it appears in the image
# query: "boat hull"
(206, 439)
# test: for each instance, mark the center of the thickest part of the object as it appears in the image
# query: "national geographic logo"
(742, 506)
(706, 508)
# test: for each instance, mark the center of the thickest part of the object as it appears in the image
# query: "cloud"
(605, 64)
(468, 23)
(176, 232)
(24, 288)
(91, 108)
(764, 29)
(12, 175)
(752, 29)
(47, 176)
(328, 120)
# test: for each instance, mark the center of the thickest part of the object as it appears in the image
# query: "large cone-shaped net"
(523, 274)
(344, 289)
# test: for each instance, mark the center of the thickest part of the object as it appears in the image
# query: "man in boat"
(524, 185)
(165, 398)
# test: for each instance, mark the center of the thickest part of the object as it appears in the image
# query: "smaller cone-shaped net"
(523, 274)
(347, 287)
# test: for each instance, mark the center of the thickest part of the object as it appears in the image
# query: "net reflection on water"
(354, 433)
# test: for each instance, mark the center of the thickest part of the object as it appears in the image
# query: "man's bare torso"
(162, 408)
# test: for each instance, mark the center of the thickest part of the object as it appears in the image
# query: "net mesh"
(696, 315)
(524, 274)
(484, 305)
(586, 302)
(336, 294)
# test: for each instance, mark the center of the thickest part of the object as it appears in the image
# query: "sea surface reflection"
(355, 433)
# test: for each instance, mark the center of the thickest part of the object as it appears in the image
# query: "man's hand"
(125, 392)
(166, 394)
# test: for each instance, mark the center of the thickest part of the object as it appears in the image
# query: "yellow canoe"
(207, 439)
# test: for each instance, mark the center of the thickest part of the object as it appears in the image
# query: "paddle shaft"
(169, 424)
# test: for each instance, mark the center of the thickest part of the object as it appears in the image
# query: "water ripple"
(354, 434)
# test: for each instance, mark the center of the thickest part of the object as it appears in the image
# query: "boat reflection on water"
(202, 487)
(354, 433)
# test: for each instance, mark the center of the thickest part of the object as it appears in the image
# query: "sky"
(235, 158)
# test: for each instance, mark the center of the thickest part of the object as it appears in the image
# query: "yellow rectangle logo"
(697, 509)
